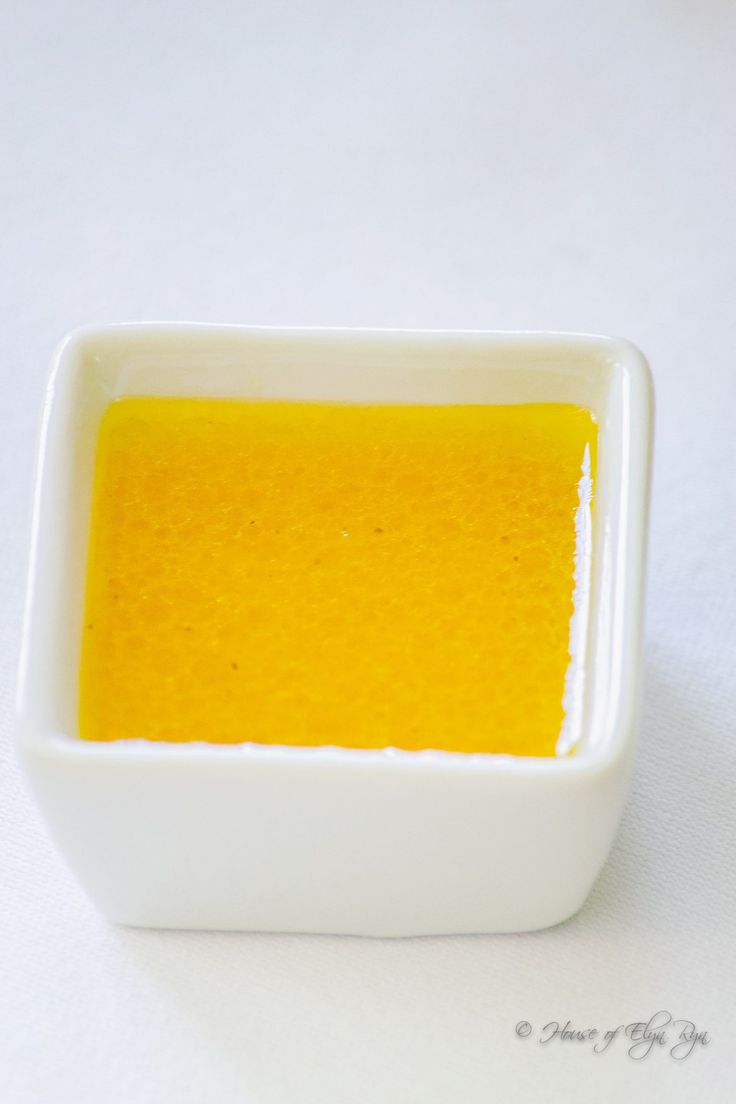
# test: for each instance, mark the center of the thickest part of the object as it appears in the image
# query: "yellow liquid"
(325, 573)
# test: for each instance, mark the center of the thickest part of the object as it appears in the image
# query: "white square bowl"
(374, 842)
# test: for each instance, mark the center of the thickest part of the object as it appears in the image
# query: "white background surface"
(515, 165)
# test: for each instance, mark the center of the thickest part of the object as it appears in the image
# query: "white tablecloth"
(538, 165)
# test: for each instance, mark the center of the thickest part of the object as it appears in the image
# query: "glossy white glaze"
(332, 839)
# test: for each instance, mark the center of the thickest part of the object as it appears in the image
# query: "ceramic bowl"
(374, 842)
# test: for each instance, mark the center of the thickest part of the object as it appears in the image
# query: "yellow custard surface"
(312, 573)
